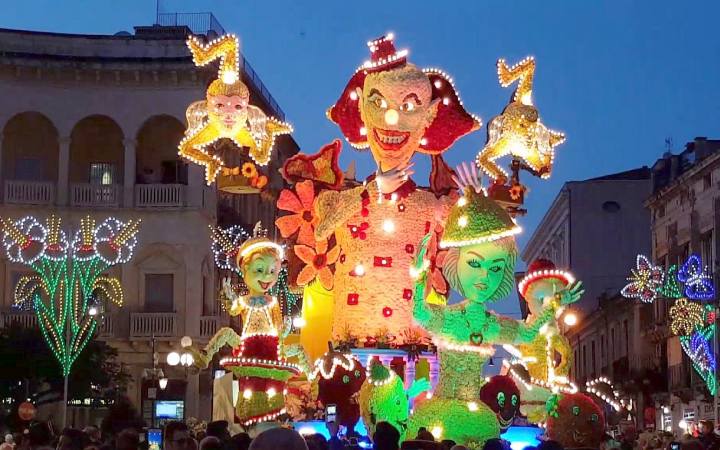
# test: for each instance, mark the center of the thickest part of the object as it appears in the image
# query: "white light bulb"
(392, 117)
(359, 270)
(186, 341)
(173, 358)
(247, 393)
(163, 382)
(462, 221)
(229, 77)
(570, 319)
(462, 201)
(353, 95)
(472, 406)
(92, 311)
(271, 392)
(388, 226)
(437, 432)
(298, 322)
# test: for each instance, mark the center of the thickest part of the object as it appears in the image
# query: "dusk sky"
(618, 77)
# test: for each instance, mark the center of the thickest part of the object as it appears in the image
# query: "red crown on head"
(383, 54)
(542, 268)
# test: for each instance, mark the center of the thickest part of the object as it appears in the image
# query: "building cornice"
(680, 181)
(557, 212)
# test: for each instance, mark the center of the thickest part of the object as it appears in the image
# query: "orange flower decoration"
(249, 170)
(317, 261)
(261, 182)
(303, 219)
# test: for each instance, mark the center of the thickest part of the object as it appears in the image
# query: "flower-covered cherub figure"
(480, 265)
(259, 358)
(397, 110)
(226, 112)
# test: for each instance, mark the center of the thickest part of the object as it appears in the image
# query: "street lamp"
(173, 358)
(570, 319)
(163, 382)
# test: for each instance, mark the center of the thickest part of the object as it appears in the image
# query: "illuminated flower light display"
(227, 114)
(259, 359)
(480, 265)
(698, 282)
(67, 291)
(518, 131)
(340, 377)
(383, 398)
(646, 280)
(397, 110)
(685, 317)
(502, 395)
(695, 324)
(575, 421)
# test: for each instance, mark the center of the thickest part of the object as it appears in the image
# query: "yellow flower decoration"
(249, 170)
(685, 316)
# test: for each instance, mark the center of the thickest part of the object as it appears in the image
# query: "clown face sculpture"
(260, 272)
(501, 394)
(575, 421)
(396, 108)
(228, 110)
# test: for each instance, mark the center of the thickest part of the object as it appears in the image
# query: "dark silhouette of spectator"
(211, 443)
(424, 435)
(39, 436)
(127, 439)
(386, 437)
(316, 442)
(121, 415)
(71, 439)
(240, 441)
(447, 444)
(278, 438)
(176, 436)
(550, 445)
(495, 444)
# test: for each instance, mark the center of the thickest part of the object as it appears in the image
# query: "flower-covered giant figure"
(575, 421)
(226, 112)
(480, 265)
(397, 110)
(259, 359)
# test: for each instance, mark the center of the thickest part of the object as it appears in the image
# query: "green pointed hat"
(476, 218)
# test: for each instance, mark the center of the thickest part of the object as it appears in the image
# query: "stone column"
(129, 173)
(63, 171)
(192, 395)
(409, 372)
(434, 369)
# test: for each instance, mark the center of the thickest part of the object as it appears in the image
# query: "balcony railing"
(209, 326)
(160, 195)
(29, 192)
(86, 194)
(24, 319)
(106, 327)
(147, 325)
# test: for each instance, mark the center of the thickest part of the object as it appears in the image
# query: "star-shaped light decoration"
(698, 282)
(646, 281)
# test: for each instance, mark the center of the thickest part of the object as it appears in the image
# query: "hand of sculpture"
(388, 182)
(570, 294)
(467, 176)
(228, 289)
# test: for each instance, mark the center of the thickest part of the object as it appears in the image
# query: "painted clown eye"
(407, 107)
(346, 379)
(594, 418)
(357, 374)
(380, 103)
(514, 400)
(501, 399)
(576, 410)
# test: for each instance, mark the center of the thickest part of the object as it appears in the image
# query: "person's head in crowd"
(691, 444)
(424, 435)
(550, 445)
(211, 443)
(218, 429)
(278, 438)
(316, 441)
(92, 433)
(39, 435)
(459, 447)
(386, 437)
(494, 444)
(71, 439)
(127, 439)
(447, 444)
(177, 437)
(240, 441)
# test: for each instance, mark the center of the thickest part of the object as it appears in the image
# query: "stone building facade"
(90, 125)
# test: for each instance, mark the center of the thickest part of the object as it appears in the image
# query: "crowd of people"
(126, 435)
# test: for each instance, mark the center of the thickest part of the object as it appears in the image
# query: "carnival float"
(397, 280)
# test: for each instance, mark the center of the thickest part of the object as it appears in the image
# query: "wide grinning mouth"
(391, 139)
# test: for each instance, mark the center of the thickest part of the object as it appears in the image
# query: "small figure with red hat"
(545, 361)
